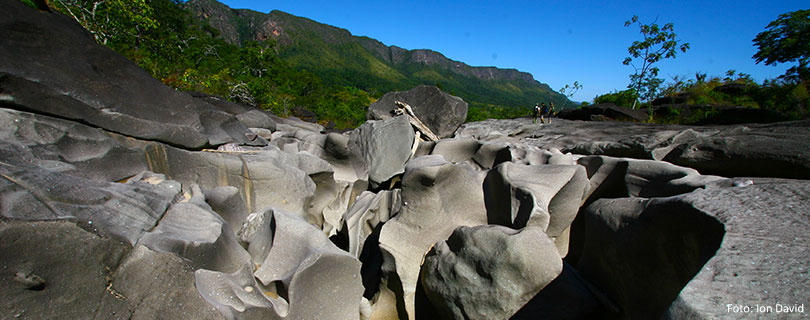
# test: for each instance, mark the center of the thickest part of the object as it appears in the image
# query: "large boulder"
(50, 65)
(385, 146)
(441, 112)
(488, 272)
(437, 197)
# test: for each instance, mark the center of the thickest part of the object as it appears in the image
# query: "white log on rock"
(405, 109)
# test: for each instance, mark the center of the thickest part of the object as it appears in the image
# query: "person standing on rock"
(544, 113)
(535, 112)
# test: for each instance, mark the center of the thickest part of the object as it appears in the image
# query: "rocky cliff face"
(259, 27)
(297, 36)
(396, 55)
(122, 198)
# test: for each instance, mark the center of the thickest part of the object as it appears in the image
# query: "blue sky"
(558, 42)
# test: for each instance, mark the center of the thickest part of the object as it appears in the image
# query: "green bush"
(620, 98)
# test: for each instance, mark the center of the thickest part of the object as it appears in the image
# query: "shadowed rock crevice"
(643, 252)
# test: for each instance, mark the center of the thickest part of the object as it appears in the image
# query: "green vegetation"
(161, 37)
(786, 40)
(111, 20)
(658, 43)
(624, 98)
(311, 66)
(328, 71)
(342, 59)
(480, 112)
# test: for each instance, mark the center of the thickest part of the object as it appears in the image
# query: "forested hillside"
(287, 64)
(340, 58)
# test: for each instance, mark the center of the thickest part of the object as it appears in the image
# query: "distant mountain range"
(340, 58)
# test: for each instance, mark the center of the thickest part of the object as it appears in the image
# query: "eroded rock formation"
(153, 203)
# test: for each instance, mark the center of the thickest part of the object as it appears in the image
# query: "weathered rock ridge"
(205, 209)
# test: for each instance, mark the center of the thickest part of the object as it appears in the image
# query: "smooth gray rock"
(123, 211)
(441, 112)
(760, 150)
(366, 213)
(332, 147)
(154, 285)
(257, 119)
(772, 150)
(488, 272)
(249, 116)
(385, 147)
(546, 197)
(227, 202)
(484, 155)
(265, 178)
(50, 65)
(331, 200)
(238, 295)
(302, 275)
(297, 140)
(292, 124)
(75, 264)
(191, 230)
(256, 234)
(624, 177)
(456, 150)
(437, 197)
(68, 146)
(762, 259)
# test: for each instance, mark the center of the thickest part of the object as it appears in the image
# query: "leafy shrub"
(620, 98)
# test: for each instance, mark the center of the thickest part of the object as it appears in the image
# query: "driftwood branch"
(404, 108)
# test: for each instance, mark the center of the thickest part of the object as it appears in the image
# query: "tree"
(569, 91)
(658, 43)
(111, 20)
(787, 39)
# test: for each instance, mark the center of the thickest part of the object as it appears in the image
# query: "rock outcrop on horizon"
(442, 113)
(123, 198)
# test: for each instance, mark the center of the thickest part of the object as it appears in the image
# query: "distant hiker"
(544, 110)
(535, 112)
(550, 111)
